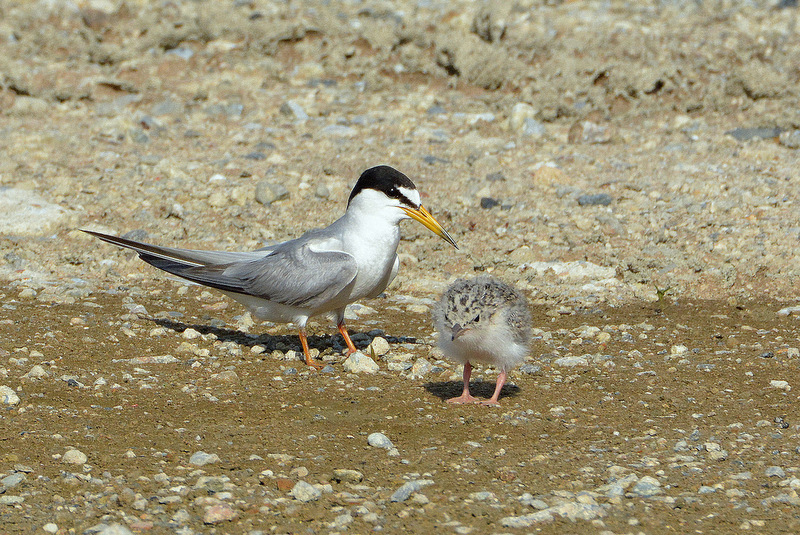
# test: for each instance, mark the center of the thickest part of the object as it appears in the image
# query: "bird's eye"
(477, 319)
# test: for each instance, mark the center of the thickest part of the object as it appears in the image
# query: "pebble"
(570, 362)
(597, 199)
(347, 476)
(50, 527)
(420, 368)
(379, 440)
(26, 213)
(790, 139)
(9, 482)
(775, 471)
(781, 385)
(358, 362)
(8, 396)
(219, 513)
(74, 457)
(201, 458)
(408, 488)
(378, 347)
(647, 486)
(190, 334)
(37, 372)
(114, 529)
(268, 192)
(293, 109)
(305, 492)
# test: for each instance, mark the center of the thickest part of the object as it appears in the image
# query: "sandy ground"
(631, 167)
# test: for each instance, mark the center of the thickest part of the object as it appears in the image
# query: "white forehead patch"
(411, 194)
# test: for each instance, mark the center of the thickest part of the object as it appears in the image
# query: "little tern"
(321, 272)
(483, 320)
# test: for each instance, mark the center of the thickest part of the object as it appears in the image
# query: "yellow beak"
(425, 217)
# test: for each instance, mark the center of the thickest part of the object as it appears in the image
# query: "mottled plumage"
(483, 320)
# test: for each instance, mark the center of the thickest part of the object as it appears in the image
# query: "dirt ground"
(632, 167)
(559, 429)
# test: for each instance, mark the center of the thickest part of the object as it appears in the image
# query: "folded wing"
(292, 273)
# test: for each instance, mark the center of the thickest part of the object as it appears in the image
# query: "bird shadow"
(272, 342)
(445, 390)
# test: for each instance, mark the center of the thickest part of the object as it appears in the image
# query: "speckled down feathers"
(468, 299)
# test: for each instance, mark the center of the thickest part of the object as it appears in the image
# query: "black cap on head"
(385, 179)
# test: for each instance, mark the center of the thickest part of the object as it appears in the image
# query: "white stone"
(74, 457)
(190, 334)
(378, 347)
(25, 213)
(358, 362)
(305, 492)
(782, 385)
(8, 396)
(570, 362)
(379, 440)
(202, 458)
(37, 372)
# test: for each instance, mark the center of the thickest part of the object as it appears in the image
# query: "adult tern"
(321, 272)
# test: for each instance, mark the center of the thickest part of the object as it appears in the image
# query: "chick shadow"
(272, 342)
(445, 390)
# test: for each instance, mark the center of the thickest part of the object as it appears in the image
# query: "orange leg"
(309, 361)
(351, 348)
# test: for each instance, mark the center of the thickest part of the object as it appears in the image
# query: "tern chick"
(483, 320)
(321, 272)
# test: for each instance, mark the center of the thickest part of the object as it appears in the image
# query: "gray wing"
(155, 254)
(291, 274)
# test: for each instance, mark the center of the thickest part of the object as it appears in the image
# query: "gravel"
(645, 201)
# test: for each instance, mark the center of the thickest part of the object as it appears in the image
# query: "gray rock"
(379, 440)
(378, 347)
(348, 476)
(358, 362)
(530, 369)
(305, 492)
(202, 458)
(597, 199)
(774, 471)
(420, 367)
(647, 486)
(569, 362)
(74, 457)
(29, 106)
(9, 482)
(115, 529)
(268, 192)
(292, 109)
(526, 521)
(8, 499)
(8, 396)
(407, 489)
(790, 139)
(745, 134)
(26, 213)
(338, 130)
(37, 372)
